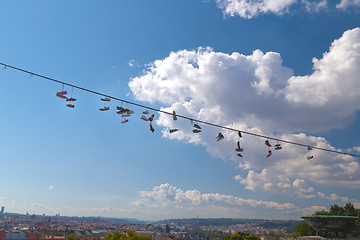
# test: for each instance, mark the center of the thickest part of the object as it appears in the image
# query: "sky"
(287, 69)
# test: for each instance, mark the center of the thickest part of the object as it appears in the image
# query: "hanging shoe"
(105, 99)
(60, 95)
(219, 137)
(104, 108)
(309, 148)
(269, 154)
(309, 157)
(267, 143)
(70, 105)
(151, 118)
(174, 116)
(151, 128)
(278, 148)
(71, 99)
(196, 131)
(174, 130)
(129, 111)
(144, 118)
(125, 121)
(239, 155)
(239, 133)
(146, 112)
(120, 108)
(126, 115)
(121, 111)
(239, 149)
(197, 126)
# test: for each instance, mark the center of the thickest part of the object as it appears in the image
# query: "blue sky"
(283, 68)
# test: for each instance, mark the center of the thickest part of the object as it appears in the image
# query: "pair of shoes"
(151, 128)
(239, 149)
(219, 137)
(144, 118)
(269, 154)
(174, 130)
(61, 94)
(70, 105)
(174, 116)
(105, 99)
(278, 146)
(151, 118)
(267, 143)
(71, 99)
(196, 131)
(104, 108)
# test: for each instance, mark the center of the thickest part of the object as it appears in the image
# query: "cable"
(180, 116)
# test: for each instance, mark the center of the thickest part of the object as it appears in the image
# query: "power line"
(180, 116)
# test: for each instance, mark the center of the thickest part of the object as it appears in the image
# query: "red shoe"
(267, 143)
(269, 154)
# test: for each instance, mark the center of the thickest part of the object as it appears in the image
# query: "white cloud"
(313, 6)
(51, 187)
(133, 63)
(255, 93)
(345, 4)
(252, 8)
(333, 197)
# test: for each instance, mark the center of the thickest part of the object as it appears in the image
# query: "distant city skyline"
(287, 70)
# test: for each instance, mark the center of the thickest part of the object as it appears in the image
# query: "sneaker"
(144, 118)
(105, 99)
(62, 92)
(309, 157)
(120, 108)
(174, 130)
(58, 94)
(269, 154)
(310, 148)
(239, 133)
(121, 111)
(125, 121)
(197, 126)
(239, 155)
(125, 115)
(151, 128)
(104, 108)
(130, 111)
(278, 148)
(151, 118)
(196, 131)
(219, 137)
(267, 143)
(239, 149)
(174, 116)
(70, 105)
(146, 112)
(71, 99)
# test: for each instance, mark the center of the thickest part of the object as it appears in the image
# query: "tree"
(129, 235)
(241, 236)
(304, 229)
(71, 237)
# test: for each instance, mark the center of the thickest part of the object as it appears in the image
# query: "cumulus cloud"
(252, 8)
(345, 4)
(333, 197)
(256, 93)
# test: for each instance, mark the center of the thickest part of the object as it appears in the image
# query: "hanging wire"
(180, 116)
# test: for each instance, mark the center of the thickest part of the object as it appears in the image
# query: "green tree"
(129, 235)
(304, 229)
(242, 236)
(71, 237)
